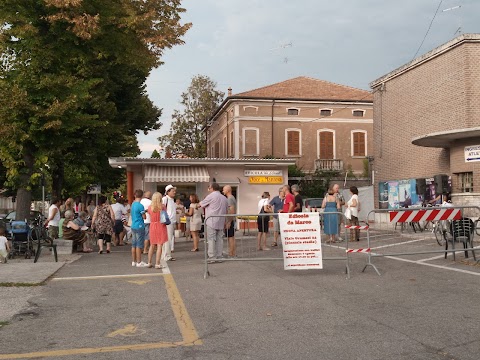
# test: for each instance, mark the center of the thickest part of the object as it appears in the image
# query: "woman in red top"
(158, 231)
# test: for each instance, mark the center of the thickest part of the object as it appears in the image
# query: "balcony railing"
(329, 164)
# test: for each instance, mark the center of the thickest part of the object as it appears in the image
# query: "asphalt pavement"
(100, 307)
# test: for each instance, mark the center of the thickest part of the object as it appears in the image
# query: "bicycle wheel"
(437, 230)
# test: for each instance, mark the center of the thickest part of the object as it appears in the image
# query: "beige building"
(427, 123)
(320, 124)
(249, 178)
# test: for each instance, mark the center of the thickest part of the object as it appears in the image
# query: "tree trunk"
(58, 177)
(24, 196)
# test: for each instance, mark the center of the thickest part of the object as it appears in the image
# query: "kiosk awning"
(176, 174)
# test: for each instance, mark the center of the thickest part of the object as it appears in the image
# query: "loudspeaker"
(442, 185)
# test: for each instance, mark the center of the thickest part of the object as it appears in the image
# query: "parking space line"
(100, 277)
(185, 324)
(444, 267)
(397, 244)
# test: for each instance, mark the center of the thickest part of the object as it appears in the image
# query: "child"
(4, 246)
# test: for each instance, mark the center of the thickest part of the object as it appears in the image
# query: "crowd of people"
(144, 222)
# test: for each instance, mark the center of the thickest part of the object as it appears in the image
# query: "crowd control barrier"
(247, 246)
(418, 231)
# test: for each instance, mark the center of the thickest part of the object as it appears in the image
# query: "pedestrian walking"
(171, 208)
(216, 207)
(277, 205)
(263, 220)
(195, 219)
(146, 202)
(330, 204)
(102, 223)
(341, 200)
(137, 212)
(298, 198)
(53, 220)
(353, 207)
(158, 231)
(230, 221)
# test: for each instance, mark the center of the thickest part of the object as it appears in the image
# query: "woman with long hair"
(195, 214)
(158, 231)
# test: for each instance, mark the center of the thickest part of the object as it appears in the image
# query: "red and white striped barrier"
(364, 227)
(367, 250)
(425, 215)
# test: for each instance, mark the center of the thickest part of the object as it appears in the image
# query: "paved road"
(99, 307)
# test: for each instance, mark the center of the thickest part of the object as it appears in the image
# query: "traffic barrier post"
(247, 245)
(418, 231)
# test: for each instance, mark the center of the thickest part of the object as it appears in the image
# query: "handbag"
(164, 218)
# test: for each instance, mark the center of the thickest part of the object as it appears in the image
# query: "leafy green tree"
(187, 135)
(155, 154)
(72, 85)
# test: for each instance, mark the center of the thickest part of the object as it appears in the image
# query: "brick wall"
(258, 114)
(438, 95)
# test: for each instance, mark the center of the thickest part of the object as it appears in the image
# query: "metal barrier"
(248, 247)
(417, 231)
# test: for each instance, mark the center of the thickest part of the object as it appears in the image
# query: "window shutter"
(326, 145)
(293, 143)
(358, 144)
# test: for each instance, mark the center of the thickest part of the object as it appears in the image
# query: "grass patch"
(19, 284)
(3, 323)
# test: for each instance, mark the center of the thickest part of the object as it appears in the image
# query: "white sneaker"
(142, 264)
(134, 263)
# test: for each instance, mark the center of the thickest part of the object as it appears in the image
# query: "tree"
(72, 85)
(187, 137)
(155, 154)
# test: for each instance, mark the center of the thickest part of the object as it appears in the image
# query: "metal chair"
(462, 230)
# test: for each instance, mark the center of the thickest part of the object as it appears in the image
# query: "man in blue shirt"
(277, 203)
(137, 212)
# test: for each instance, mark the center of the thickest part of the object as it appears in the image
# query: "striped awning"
(176, 174)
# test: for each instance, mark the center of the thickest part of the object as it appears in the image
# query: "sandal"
(159, 267)
(108, 251)
(193, 250)
(100, 252)
(274, 244)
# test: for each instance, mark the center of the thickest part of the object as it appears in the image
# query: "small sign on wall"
(472, 153)
(265, 179)
(263, 173)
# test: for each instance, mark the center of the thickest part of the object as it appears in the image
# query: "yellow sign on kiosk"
(265, 179)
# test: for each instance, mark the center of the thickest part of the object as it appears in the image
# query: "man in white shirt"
(53, 219)
(169, 202)
(146, 202)
(119, 211)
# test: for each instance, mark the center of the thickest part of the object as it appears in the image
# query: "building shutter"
(326, 145)
(358, 144)
(217, 149)
(293, 143)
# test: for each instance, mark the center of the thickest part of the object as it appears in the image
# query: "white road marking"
(107, 276)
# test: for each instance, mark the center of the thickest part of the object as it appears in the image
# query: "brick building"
(320, 124)
(427, 126)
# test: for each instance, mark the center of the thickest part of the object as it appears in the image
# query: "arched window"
(325, 112)
(293, 111)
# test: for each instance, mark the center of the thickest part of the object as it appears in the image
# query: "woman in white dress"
(195, 214)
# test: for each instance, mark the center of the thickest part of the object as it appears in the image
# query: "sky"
(247, 44)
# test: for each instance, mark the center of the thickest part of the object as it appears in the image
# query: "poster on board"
(301, 239)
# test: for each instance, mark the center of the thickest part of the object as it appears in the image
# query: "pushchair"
(19, 234)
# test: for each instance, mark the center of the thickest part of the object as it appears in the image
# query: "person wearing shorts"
(277, 205)
(137, 212)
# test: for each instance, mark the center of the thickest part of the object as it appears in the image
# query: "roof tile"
(303, 87)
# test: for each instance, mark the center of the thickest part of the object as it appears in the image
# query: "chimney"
(230, 91)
